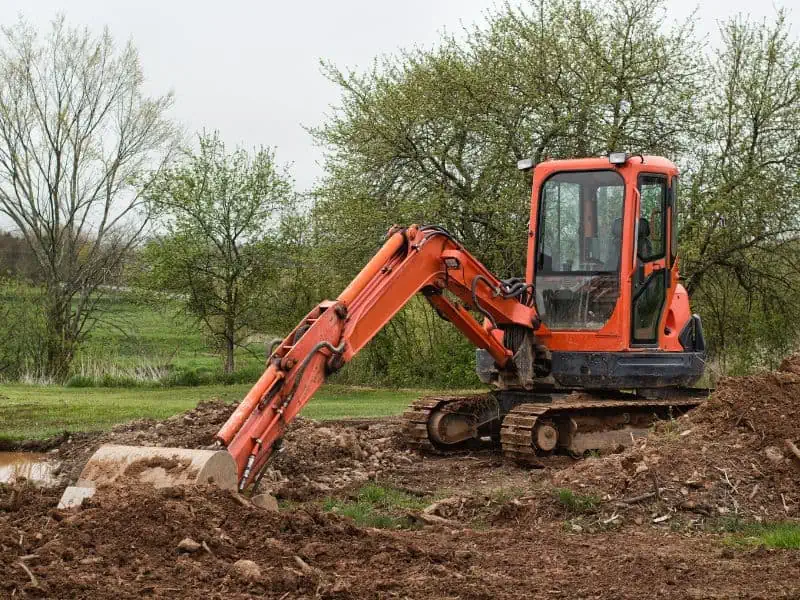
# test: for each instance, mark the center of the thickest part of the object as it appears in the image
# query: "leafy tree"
(741, 207)
(79, 144)
(221, 213)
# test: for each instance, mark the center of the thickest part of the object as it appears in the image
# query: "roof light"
(618, 158)
(525, 164)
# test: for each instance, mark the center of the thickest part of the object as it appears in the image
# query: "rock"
(188, 545)
(432, 519)
(265, 501)
(246, 570)
(641, 468)
(774, 454)
(439, 508)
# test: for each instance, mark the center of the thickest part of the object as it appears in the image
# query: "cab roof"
(637, 163)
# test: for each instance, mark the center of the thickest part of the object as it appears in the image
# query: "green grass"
(378, 506)
(133, 340)
(35, 412)
(576, 503)
(771, 535)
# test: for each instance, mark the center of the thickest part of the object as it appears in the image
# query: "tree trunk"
(59, 345)
(230, 344)
(229, 355)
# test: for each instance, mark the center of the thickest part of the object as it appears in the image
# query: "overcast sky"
(251, 68)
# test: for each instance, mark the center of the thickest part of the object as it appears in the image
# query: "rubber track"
(416, 416)
(516, 431)
(415, 422)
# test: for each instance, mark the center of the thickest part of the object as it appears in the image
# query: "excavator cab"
(602, 259)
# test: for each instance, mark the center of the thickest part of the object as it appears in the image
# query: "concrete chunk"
(74, 496)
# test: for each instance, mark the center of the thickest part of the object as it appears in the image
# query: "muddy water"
(29, 465)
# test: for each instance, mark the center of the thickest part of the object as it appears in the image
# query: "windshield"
(580, 240)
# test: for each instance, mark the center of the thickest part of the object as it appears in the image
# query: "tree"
(222, 213)
(741, 199)
(79, 145)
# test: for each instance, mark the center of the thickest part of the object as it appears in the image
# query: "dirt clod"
(246, 570)
(188, 545)
(265, 501)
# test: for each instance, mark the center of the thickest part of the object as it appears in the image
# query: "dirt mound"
(175, 543)
(96, 548)
(318, 458)
(727, 457)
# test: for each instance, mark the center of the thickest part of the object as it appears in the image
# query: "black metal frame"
(627, 370)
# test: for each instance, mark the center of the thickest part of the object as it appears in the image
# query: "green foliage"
(576, 503)
(433, 136)
(23, 332)
(222, 213)
(80, 381)
(377, 506)
(741, 207)
(416, 348)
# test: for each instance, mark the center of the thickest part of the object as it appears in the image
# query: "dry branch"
(34, 581)
(635, 499)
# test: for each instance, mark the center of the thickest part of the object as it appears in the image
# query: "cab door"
(650, 278)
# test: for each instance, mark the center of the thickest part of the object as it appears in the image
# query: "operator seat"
(614, 247)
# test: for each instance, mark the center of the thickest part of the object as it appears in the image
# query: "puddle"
(28, 465)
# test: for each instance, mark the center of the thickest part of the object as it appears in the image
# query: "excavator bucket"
(157, 467)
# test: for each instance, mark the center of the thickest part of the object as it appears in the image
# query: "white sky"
(251, 68)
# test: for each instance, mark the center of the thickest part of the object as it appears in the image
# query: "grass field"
(136, 337)
(33, 412)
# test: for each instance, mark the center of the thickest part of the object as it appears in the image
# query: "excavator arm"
(413, 259)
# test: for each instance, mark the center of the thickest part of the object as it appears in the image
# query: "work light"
(618, 158)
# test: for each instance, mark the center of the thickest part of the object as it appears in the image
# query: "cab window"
(651, 229)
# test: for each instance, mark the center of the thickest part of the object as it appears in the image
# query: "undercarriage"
(528, 425)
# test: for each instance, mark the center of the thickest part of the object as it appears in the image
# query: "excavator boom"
(413, 259)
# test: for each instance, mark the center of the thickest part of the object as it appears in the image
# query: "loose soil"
(641, 523)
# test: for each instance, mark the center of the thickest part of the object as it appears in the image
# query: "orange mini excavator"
(583, 352)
